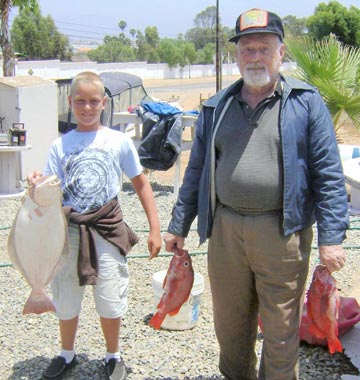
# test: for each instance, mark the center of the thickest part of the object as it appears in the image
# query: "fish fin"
(314, 331)
(174, 312)
(38, 303)
(335, 346)
(164, 282)
(156, 321)
(161, 303)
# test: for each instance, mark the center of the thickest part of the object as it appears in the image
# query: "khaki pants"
(254, 268)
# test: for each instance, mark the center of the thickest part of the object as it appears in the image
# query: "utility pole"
(218, 50)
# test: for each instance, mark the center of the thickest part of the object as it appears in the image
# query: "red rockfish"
(177, 286)
(322, 308)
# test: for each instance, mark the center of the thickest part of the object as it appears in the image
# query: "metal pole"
(218, 50)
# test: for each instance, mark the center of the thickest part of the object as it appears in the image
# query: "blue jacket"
(314, 186)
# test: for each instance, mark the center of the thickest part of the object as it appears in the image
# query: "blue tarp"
(161, 108)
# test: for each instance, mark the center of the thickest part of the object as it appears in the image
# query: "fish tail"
(38, 304)
(335, 346)
(156, 321)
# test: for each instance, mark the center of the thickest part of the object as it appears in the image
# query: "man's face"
(259, 57)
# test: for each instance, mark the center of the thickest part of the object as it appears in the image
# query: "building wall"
(32, 101)
(54, 69)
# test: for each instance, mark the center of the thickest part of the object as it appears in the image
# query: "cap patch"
(254, 18)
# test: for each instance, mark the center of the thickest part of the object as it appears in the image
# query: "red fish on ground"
(177, 286)
(322, 307)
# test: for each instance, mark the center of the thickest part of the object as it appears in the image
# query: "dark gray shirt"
(249, 175)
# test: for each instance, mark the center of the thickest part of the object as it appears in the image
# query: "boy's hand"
(154, 244)
(31, 179)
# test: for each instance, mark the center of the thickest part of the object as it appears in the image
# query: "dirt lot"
(187, 93)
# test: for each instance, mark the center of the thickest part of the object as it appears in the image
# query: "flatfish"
(38, 240)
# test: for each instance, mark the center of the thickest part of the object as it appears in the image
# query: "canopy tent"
(122, 89)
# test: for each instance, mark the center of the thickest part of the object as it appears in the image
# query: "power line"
(88, 33)
(86, 26)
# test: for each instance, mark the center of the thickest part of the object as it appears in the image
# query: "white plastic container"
(352, 178)
(348, 152)
(188, 316)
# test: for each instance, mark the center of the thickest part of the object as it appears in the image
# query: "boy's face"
(87, 104)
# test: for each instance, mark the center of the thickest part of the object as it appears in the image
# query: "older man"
(263, 168)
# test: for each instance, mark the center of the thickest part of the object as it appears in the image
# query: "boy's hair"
(87, 77)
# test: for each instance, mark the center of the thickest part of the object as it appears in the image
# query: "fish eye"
(186, 264)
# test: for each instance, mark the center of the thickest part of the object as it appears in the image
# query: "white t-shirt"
(90, 164)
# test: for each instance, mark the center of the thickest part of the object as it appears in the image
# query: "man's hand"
(171, 241)
(333, 256)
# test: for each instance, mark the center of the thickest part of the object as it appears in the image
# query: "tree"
(133, 34)
(333, 68)
(294, 26)
(337, 19)
(168, 52)
(122, 25)
(147, 45)
(142, 46)
(203, 37)
(7, 49)
(206, 55)
(114, 49)
(206, 19)
(204, 31)
(36, 37)
(200, 37)
(188, 55)
(152, 36)
(177, 52)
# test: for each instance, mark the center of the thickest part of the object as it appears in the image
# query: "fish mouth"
(46, 190)
(321, 266)
(49, 181)
(179, 252)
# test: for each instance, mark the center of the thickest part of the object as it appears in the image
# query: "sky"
(90, 19)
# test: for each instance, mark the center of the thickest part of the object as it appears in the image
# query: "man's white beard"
(256, 78)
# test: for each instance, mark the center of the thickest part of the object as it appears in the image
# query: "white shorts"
(110, 291)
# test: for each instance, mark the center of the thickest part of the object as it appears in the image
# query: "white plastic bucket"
(348, 152)
(352, 178)
(188, 316)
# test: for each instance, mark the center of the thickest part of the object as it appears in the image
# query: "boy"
(89, 161)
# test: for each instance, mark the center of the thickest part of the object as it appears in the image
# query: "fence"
(54, 69)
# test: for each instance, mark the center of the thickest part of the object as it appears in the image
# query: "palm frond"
(333, 68)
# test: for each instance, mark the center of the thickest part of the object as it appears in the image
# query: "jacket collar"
(287, 84)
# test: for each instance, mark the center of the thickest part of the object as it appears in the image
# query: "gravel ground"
(27, 343)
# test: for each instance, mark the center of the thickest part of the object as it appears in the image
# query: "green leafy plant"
(333, 68)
